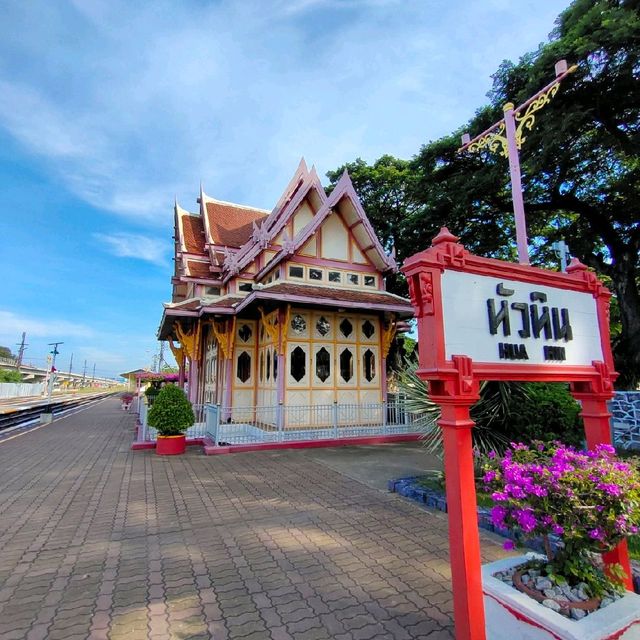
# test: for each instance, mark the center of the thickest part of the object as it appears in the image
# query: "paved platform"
(97, 541)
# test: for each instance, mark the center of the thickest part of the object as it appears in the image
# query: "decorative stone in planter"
(513, 615)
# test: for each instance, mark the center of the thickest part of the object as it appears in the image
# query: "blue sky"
(109, 109)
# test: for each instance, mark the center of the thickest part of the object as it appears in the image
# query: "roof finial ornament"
(288, 245)
(230, 262)
(260, 234)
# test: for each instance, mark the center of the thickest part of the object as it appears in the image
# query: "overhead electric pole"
(161, 358)
(23, 346)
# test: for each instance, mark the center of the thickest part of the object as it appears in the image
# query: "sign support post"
(455, 397)
(484, 319)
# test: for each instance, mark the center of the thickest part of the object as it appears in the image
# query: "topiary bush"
(171, 413)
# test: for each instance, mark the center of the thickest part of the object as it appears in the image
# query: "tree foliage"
(5, 352)
(10, 376)
(580, 167)
(506, 412)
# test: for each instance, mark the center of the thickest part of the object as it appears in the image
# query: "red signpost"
(484, 319)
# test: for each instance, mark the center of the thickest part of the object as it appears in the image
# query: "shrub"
(171, 413)
(10, 376)
(589, 499)
(151, 393)
(506, 411)
(547, 412)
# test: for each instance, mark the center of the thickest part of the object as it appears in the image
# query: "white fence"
(281, 423)
(149, 434)
(21, 389)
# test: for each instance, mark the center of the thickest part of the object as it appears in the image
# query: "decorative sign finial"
(507, 136)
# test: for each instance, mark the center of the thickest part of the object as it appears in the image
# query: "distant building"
(282, 307)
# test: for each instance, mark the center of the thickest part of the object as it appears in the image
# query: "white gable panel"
(357, 255)
(302, 218)
(335, 239)
(309, 248)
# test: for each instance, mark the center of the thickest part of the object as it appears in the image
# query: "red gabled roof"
(198, 270)
(193, 234)
(231, 225)
(192, 304)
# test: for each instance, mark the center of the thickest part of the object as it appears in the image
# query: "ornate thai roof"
(230, 225)
(224, 241)
(191, 232)
(198, 269)
(333, 296)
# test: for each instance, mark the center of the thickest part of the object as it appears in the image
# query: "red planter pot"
(171, 445)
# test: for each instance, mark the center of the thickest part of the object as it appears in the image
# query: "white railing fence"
(281, 423)
(148, 433)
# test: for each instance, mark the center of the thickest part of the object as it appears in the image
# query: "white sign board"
(498, 321)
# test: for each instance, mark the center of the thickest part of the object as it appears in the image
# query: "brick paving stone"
(102, 543)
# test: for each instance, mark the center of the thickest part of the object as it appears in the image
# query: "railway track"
(22, 416)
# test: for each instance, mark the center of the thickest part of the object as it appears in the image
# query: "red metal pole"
(597, 427)
(464, 541)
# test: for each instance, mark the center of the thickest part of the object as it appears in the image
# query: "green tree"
(383, 189)
(5, 352)
(580, 165)
(581, 161)
(10, 376)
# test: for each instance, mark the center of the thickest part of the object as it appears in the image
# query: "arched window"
(298, 364)
(243, 370)
(369, 365)
(346, 365)
(368, 328)
(275, 364)
(245, 333)
(323, 364)
(298, 324)
(346, 328)
(268, 364)
(323, 326)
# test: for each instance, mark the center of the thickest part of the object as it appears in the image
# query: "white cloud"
(13, 324)
(130, 245)
(129, 104)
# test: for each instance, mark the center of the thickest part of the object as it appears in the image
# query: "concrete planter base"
(511, 614)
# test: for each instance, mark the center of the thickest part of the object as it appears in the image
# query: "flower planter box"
(171, 445)
(512, 615)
